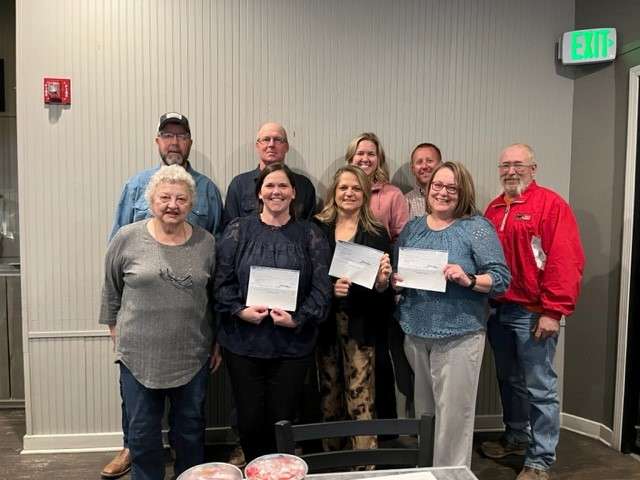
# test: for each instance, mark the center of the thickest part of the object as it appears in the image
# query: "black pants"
(385, 381)
(266, 390)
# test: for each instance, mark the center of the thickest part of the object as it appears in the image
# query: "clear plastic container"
(212, 471)
(276, 466)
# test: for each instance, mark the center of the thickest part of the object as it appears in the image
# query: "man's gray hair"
(170, 174)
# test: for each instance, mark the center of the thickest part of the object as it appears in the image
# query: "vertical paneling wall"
(468, 75)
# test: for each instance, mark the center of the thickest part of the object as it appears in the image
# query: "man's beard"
(514, 190)
(174, 159)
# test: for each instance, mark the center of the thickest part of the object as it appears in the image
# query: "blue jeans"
(528, 383)
(145, 409)
(125, 422)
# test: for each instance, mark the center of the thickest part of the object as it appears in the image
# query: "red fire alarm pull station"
(57, 91)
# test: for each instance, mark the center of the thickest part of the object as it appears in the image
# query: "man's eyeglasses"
(518, 166)
(183, 137)
(437, 186)
(267, 140)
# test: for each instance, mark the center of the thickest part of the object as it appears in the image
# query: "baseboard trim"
(573, 423)
(11, 403)
(587, 427)
(103, 442)
(72, 442)
(489, 423)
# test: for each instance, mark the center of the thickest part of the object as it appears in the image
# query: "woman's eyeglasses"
(437, 186)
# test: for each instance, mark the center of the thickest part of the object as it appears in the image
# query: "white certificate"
(422, 269)
(358, 263)
(273, 287)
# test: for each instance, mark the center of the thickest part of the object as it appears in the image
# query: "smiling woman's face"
(276, 193)
(348, 195)
(171, 202)
(443, 195)
(366, 157)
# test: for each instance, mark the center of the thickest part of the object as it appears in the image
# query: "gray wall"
(597, 194)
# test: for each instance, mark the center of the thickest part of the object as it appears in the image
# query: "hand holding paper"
(282, 318)
(396, 282)
(422, 269)
(454, 273)
(254, 314)
(341, 287)
(384, 272)
(358, 263)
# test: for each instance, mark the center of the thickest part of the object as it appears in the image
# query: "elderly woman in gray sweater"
(156, 302)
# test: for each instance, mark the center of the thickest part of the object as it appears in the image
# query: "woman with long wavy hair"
(346, 346)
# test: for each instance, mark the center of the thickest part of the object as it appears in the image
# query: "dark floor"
(578, 458)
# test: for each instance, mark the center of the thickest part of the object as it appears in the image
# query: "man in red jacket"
(541, 243)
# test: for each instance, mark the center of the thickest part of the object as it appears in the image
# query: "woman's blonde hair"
(381, 173)
(170, 174)
(329, 212)
(466, 191)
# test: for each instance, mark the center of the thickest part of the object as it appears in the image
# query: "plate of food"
(276, 466)
(212, 471)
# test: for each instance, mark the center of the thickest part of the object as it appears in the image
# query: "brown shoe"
(236, 457)
(529, 473)
(117, 467)
(502, 448)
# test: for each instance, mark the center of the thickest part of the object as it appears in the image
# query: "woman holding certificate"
(389, 207)
(444, 316)
(346, 346)
(272, 290)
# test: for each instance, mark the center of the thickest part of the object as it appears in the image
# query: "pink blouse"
(389, 207)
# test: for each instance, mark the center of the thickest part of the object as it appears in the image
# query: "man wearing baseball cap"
(174, 144)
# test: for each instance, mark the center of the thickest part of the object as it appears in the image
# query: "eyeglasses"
(518, 166)
(437, 186)
(183, 137)
(267, 140)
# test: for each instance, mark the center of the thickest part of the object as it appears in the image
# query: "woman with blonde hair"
(390, 208)
(387, 201)
(346, 346)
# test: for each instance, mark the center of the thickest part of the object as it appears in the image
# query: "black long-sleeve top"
(368, 310)
(298, 245)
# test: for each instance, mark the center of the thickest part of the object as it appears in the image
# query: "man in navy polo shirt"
(272, 146)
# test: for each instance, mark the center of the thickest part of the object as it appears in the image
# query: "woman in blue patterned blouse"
(445, 331)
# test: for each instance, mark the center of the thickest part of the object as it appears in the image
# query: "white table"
(441, 473)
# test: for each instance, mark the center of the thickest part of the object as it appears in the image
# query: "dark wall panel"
(597, 192)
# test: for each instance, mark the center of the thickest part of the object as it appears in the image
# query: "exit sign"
(588, 46)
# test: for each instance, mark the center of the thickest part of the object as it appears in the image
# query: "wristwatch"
(471, 277)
